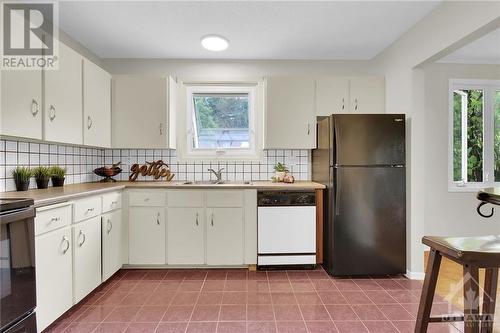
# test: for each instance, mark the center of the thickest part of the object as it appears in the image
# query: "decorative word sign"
(157, 169)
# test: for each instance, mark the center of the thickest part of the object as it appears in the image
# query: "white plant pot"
(279, 175)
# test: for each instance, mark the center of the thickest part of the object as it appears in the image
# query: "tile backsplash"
(81, 161)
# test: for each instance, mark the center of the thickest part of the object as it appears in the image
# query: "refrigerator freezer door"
(367, 222)
(368, 139)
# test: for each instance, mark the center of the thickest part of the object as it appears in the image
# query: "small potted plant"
(57, 175)
(280, 171)
(42, 176)
(22, 177)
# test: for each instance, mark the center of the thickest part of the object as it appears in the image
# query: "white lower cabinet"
(185, 243)
(54, 275)
(147, 235)
(87, 257)
(111, 243)
(225, 237)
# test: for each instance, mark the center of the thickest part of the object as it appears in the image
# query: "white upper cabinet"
(367, 94)
(332, 95)
(63, 99)
(143, 110)
(364, 94)
(290, 113)
(21, 103)
(96, 105)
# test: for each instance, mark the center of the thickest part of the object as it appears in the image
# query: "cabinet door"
(96, 105)
(225, 236)
(54, 276)
(173, 91)
(21, 104)
(111, 243)
(63, 99)
(290, 113)
(332, 95)
(146, 235)
(87, 257)
(367, 95)
(185, 236)
(139, 112)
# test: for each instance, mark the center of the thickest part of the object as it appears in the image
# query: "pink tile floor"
(238, 301)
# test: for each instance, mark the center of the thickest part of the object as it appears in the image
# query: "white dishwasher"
(286, 224)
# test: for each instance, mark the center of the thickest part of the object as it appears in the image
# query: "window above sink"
(223, 121)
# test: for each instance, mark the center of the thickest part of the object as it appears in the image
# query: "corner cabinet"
(144, 107)
(290, 113)
(63, 99)
(21, 103)
(96, 106)
(147, 235)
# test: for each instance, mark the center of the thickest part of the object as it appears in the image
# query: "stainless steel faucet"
(218, 174)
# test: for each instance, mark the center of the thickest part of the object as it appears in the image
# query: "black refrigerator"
(361, 160)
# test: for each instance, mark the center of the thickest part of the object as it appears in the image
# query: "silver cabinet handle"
(355, 104)
(110, 226)
(343, 104)
(89, 210)
(146, 199)
(84, 238)
(197, 223)
(161, 128)
(114, 203)
(35, 108)
(158, 218)
(65, 240)
(55, 219)
(212, 219)
(308, 129)
(52, 112)
(89, 122)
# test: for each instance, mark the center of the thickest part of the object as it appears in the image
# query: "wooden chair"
(472, 253)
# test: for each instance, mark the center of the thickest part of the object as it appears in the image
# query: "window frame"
(250, 153)
(489, 87)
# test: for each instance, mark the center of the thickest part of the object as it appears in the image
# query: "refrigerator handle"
(337, 194)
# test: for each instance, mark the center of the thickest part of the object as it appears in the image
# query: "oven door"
(17, 266)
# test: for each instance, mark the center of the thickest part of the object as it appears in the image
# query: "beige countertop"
(69, 192)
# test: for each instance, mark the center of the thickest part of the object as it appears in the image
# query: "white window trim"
(254, 89)
(488, 86)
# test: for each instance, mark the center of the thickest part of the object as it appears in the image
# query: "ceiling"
(484, 50)
(323, 30)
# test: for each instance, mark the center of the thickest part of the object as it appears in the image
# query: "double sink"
(215, 182)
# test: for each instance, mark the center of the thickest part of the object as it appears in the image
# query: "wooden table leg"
(489, 299)
(431, 275)
(471, 299)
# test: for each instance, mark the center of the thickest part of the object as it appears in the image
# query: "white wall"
(445, 29)
(236, 69)
(449, 213)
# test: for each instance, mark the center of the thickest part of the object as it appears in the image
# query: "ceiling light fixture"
(214, 43)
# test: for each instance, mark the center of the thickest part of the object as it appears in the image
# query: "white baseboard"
(415, 275)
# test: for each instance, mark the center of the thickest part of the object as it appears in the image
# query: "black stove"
(17, 266)
(9, 204)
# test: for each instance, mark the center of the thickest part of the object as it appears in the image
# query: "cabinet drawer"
(111, 201)
(232, 198)
(146, 198)
(185, 198)
(52, 217)
(87, 208)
